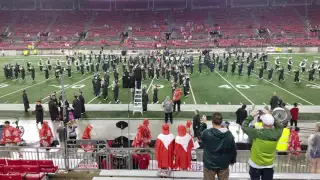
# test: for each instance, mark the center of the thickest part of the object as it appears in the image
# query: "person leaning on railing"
(264, 145)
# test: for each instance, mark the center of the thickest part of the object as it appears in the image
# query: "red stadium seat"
(47, 166)
(14, 162)
(1, 169)
(14, 169)
(34, 169)
(3, 162)
(10, 177)
(29, 162)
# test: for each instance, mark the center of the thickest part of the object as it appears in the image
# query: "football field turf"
(206, 88)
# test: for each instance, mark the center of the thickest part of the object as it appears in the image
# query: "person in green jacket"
(219, 148)
(264, 144)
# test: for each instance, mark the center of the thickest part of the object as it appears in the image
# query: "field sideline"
(215, 88)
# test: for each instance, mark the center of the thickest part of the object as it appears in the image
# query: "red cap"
(182, 131)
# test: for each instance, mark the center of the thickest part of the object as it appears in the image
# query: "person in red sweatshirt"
(294, 115)
(176, 98)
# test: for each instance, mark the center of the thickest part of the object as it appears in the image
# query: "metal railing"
(101, 157)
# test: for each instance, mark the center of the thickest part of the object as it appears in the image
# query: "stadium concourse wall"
(138, 51)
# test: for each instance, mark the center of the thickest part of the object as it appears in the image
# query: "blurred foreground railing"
(102, 157)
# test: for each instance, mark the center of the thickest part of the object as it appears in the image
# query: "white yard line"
(5, 102)
(150, 85)
(194, 99)
(100, 93)
(235, 88)
(286, 91)
(24, 88)
(70, 86)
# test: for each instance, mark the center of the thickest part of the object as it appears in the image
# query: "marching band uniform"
(49, 64)
(277, 63)
(92, 67)
(270, 72)
(233, 67)
(296, 76)
(265, 64)
(32, 73)
(220, 65)
(23, 73)
(261, 72)
(155, 95)
(40, 64)
(82, 68)
(290, 64)
(97, 67)
(249, 69)
(281, 76)
(105, 90)
(69, 71)
(77, 64)
(225, 66)
(87, 66)
(16, 71)
(145, 100)
(56, 73)
(240, 67)
(46, 73)
(116, 92)
(311, 74)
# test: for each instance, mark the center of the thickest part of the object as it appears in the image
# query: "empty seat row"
(45, 166)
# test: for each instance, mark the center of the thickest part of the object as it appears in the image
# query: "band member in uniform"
(87, 66)
(290, 63)
(265, 64)
(16, 71)
(23, 73)
(281, 74)
(277, 63)
(191, 64)
(69, 71)
(220, 64)
(82, 68)
(168, 68)
(200, 64)
(97, 86)
(77, 64)
(40, 63)
(240, 67)
(46, 72)
(92, 67)
(145, 100)
(105, 87)
(97, 67)
(49, 64)
(158, 71)
(311, 74)
(115, 91)
(249, 68)
(56, 72)
(233, 67)
(303, 65)
(270, 73)
(186, 85)
(28, 66)
(225, 66)
(155, 95)
(296, 76)
(261, 73)
(33, 73)
(116, 75)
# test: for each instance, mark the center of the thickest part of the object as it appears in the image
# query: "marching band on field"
(156, 65)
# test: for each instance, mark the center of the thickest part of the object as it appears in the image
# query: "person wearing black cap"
(25, 101)
(39, 112)
(76, 104)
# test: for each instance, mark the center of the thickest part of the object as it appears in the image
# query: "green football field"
(206, 88)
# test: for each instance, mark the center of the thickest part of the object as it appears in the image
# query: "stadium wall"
(190, 51)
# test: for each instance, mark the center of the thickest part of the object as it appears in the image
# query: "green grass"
(205, 86)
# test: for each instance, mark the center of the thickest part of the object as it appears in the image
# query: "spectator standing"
(294, 144)
(196, 124)
(177, 98)
(241, 114)
(283, 142)
(72, 133)
(39, 112)
(294, 115)
(53, 109)
(219, 149)
(82, 101)
(76, 107)
(145, 99)
(313, 152)
(167, 107)
(274, 101)
(62, 134)
(25, 101)
(264, 145)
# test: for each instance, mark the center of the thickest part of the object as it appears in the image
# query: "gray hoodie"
(167, 105)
